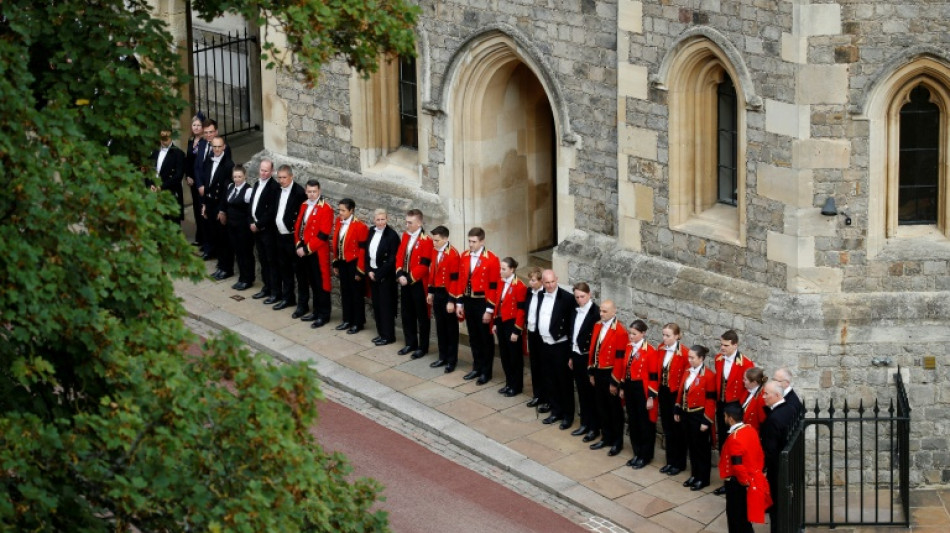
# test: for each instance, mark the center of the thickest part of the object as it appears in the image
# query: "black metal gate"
(223, 82)
(850, 467)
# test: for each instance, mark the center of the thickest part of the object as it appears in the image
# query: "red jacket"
(755, 411)
(742, 458)
(444, 274)
(735, 390)
(354, 246)
(645, 368)
(672, 375)
(701, 395)
(483, 280)
(416, 270)
(514, 305)
(316, 235)
(611, 350)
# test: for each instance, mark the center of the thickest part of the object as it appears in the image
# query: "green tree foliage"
(105, 422)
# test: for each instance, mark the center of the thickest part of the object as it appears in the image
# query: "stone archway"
(507, 169)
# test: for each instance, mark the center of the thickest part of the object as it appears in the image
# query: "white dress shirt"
(374, 246)
(670, 350)
(581, 315)
(281, 208)
(257, 197)
(544, 317)
(693, 372)
(727, 365)
(533, 310)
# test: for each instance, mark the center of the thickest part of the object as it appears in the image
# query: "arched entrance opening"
(503, 154)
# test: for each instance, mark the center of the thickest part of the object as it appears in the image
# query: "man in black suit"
(264, 196)
(773, 433)
(381, 270)
(784, 378)
(291, 196)
(585, 315)
(216, 177)
(169, 168)
(202, 154)
(234, 212)
(554, 316)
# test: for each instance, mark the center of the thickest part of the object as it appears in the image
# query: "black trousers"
(311, 283)
(560, 381)
(351, 294)
(737, 514)
(242, 242)
(479, 336)
(585, 392)
(642, 430)
(220, 244)
(196, 209)
(673, 435)
(509, 352)
(699, 443)
(538, 378)
(609, 408)
(446, 327)
(383, 293)
(415, 316)
(289, 277)
(266, 245)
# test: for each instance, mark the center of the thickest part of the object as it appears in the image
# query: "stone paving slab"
(500, 432)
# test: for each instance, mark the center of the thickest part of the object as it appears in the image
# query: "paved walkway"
(500, 432)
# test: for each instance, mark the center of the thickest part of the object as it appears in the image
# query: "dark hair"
(209, 122)
(756, 375)
(414, 213)
(733, 410)
(700, 350)
(239, 168)
(510, 261)
(348, 202)
(731, 336)
(582, 286)
(313, 182)
(441, 231)
(639, 325)
(477, 232)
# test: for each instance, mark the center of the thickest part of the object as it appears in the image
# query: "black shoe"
(504, 389)
(640, 463)
(449, 368)
(437, 363)
(598, 445)
(673, 471)
(512, 393)
(224, 275)
(470, 376)
(566, 424)
(383, 342)
(298, 313)
(544, 408)
(377, 338)
(699, 485)
(271, 300)
(318, 323)
(533, 402)
(216, 273)
(354, 329)
(418, 353)
(342, 326)
(580, 431)
(406, 349)
(261, 294)
(632, 462)
(283, 304)
(720, 491)
(591, 435)
(689, 481)
(309, 317)
(614, 450)
(241, 286)
(551, 419)
(482, 380)
(665, 468)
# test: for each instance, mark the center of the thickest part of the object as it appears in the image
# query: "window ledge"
(915, 243)
(718, 223)
(401, 165)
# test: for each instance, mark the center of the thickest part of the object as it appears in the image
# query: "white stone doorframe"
(468, 80)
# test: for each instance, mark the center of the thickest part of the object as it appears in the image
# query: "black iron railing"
(222, 81)
(850, 467)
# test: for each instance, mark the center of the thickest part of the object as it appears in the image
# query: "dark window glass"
(727, 151)
(919, 173)
(408, 119)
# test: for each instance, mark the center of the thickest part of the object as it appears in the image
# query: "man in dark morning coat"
(773, 433)
(554, 313)
(264, 196)
(169, 161)
(216, 176)
(381, 270)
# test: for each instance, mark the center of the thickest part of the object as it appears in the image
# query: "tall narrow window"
(408, 119)
(919, 174)
(727, 152)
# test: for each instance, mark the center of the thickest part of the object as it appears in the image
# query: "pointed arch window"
(919, 166)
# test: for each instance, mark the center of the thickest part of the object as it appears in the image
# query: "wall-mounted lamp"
(831, 210)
